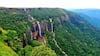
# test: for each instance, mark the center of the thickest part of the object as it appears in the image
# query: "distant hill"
(91, 15)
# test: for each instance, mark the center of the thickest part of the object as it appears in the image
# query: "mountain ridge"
(90, 15)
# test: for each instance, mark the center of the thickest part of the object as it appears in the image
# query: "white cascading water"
(25, 9)
(55, 39)
(39, 29)
(51, 25)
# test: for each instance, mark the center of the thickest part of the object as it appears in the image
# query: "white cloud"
(51, 3)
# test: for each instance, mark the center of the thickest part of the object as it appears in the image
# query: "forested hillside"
(46, 32)
(90, 15)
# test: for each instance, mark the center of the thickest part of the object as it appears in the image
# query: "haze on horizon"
(71, 4)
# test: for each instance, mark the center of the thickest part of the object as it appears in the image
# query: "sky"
(70, 4)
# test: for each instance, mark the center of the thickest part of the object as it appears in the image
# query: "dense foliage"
(75, 36)
(4, 36)
(6, 51)
(42, 51)
(78, 38)
(45, 13)
(18, 22)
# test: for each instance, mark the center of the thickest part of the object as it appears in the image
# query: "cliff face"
(71, 32)
(65, 32)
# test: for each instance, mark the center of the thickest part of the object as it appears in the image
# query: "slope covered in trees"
(73, 35)
(6, 51)
(76, 36)
(90, 15)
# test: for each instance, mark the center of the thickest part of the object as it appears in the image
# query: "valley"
(46, 32)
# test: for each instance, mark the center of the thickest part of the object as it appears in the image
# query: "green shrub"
(6, 51)
(42, 51)
(28, 50)
(35, 43)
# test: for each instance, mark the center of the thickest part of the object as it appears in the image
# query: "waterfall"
(31, 34)
(39, 28)
(53, 34)
(25, 9)
(51, 25)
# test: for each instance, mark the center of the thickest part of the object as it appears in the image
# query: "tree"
(3, 34)
(11, 34)
(35, 43)
(28, 50)
(6, 51)
(42, 51)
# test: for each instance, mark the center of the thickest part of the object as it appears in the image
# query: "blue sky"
(76, 4)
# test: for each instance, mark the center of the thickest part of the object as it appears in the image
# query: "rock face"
(44, 26)
(65, 18)
(62, 19)
(41, 27)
